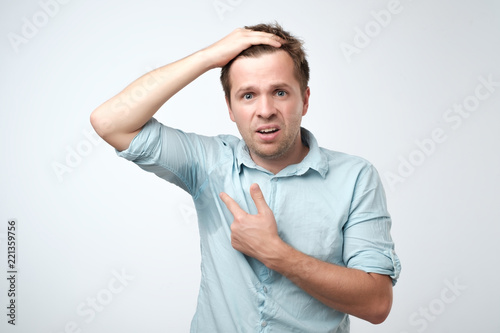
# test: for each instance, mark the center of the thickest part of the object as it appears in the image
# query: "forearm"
(364, 295)
(120, 118)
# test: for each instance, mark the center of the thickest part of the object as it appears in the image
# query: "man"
(294, 237)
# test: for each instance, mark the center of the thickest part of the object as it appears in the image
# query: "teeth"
(268, 130)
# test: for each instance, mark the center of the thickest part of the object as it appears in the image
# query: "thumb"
(258, 198)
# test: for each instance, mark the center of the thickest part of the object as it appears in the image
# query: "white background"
(84, 215)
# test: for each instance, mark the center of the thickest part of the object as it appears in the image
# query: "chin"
(269, 154)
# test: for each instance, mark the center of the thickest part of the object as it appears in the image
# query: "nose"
(266, 108)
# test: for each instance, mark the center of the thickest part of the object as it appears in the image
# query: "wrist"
(278, 255)
(207, 59)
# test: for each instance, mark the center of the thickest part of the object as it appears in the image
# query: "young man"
(294, 237)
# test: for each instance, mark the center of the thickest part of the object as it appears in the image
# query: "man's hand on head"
(226, 49)
(254, 235)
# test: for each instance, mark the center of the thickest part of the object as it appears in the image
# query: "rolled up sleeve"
(368, 244)
(178, 157)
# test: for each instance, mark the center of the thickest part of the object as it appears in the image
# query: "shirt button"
(265, 289)
(263, 324)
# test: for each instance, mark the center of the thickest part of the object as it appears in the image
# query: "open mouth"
(268, 131)
(269, 134)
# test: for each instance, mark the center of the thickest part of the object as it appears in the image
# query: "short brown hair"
(293, 46)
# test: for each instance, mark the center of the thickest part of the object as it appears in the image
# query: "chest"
(310, 211)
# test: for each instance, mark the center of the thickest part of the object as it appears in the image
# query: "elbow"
(378, 318)
(107, 128)
(380, 310)
(381, 301)
(101, 125)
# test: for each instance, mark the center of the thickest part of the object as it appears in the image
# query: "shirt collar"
(314, 159)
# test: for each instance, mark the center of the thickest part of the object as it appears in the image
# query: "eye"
(281, 93)
(247, 96)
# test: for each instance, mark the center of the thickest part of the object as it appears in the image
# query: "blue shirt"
(330, 206)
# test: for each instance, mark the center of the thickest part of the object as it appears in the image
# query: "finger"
(262, 37)
(258, 198)
(232, 205)
(273, 40)
(277, 40)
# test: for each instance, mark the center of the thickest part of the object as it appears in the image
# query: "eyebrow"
(273, 87)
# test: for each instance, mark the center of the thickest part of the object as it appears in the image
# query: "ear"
(305, 105)
(231, 114)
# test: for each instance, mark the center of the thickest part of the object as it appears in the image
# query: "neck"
(297, 153)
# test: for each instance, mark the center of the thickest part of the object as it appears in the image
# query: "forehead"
(261, 71)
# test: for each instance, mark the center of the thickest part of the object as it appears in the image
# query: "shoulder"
(351, 169)
(223, 141)
(343, 160)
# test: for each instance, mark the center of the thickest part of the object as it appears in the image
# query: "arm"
(364, 295)
(119, 119)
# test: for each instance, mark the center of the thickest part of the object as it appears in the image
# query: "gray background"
(86, 216)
